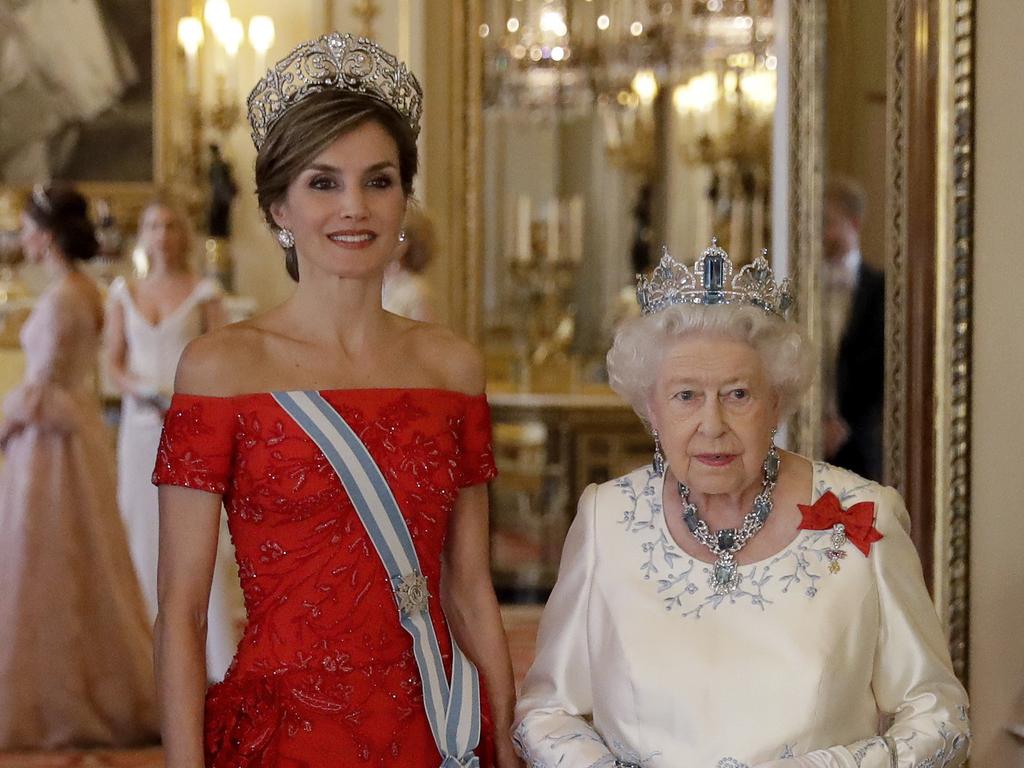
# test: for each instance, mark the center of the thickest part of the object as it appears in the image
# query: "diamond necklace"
(725, 543)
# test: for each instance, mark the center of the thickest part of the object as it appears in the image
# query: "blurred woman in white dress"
(732, 605)
(149, 322)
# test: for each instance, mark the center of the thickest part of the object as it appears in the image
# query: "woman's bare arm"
(189, 528)
(189, 524)
(115, 344)
(214, 314)
(469, 602)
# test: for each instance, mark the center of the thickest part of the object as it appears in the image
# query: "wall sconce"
(213, 43)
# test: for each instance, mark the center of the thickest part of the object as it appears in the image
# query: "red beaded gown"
(324, 674)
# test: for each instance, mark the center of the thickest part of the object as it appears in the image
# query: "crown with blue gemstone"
(711, 281)
(334, 61)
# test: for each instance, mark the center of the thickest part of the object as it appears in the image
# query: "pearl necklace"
(725, 543)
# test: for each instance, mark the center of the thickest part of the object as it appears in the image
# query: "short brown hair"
(848, 194)
(308, 128)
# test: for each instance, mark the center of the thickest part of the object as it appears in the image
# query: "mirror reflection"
(611, 128)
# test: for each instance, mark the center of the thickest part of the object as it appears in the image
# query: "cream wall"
(259, 264)
(855, 119)
(997, 528)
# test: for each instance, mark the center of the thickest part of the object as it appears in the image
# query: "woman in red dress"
(325, 674)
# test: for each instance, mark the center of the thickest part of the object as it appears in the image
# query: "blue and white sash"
(452, 710)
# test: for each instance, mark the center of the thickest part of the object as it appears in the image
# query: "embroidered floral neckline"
(681, 580)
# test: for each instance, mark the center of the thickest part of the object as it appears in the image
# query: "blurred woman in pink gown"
(75, 645)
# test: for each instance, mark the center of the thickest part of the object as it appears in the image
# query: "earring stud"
(402, 236)
(286, 238)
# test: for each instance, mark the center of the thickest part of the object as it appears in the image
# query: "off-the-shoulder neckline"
(337, 391)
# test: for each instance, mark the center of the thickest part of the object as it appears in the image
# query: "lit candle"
(231, 38)
(757, 222)
(554, 229)
(190, 38)
(737, 215)
(576, 228)
(261, 37)
(705, 221)
(523, 246)
(217, 15)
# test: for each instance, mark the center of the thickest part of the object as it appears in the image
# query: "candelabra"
(724, 124)
(546, 253)
(211, 44)
(216, 80)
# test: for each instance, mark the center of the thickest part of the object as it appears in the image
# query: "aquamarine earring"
(659, 457)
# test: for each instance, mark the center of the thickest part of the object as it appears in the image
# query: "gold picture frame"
(127, 198)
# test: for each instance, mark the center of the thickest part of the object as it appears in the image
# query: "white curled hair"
(636, 353)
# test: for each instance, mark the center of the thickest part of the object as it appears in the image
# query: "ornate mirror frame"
(929, 227)
(929, 251)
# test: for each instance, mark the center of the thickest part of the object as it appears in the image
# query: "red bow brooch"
(856, 524)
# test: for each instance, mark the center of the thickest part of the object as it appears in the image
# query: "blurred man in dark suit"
(853, 309)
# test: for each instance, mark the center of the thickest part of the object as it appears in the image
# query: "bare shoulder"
(216, 363)
(451, 358)
(77, 293)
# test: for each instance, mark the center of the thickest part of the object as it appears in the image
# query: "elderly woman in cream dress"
(732, 605)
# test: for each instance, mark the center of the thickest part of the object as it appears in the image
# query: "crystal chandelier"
(557, 59)
(565, 53)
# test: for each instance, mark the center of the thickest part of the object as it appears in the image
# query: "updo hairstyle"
(64, 212)
(307, 129)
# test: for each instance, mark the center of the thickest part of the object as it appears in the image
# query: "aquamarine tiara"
(342, 62)
(711, 281)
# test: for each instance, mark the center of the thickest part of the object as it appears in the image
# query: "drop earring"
(659, 457)
(286, 238)
(402, 236)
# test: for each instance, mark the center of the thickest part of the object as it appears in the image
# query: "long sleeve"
(912, 680)
(552, 726)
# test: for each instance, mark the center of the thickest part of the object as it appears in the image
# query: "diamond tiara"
(709, 283)
(339, 61)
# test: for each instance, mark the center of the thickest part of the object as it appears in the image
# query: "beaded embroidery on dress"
(324, 671)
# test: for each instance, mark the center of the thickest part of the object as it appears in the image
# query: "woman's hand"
(8, 429)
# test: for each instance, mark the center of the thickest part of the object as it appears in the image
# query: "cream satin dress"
(153, 354)
(76, 651)
(640, 663)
